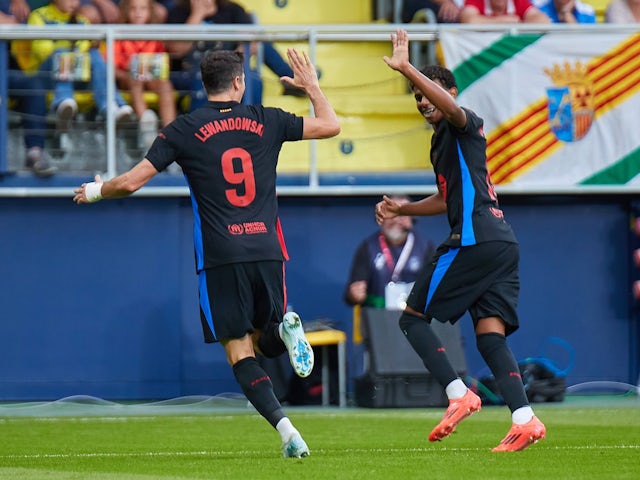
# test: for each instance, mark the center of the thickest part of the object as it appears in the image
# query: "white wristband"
(93, 192)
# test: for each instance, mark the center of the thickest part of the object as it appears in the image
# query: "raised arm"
(431, 205)
(442, 99)
(325, 123)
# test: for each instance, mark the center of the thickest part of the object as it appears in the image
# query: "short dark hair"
(219, 68)
(437, 72)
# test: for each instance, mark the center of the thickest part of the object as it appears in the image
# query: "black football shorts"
(481, 279)
(239, 298)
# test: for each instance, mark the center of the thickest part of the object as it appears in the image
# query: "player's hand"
(400, 58)
(81, 194)
(387, 208)
(304, 73)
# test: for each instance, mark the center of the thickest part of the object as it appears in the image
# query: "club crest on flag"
(570, 101)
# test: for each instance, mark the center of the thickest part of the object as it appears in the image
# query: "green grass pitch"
(585, 440)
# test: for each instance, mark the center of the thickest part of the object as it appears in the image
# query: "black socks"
(495, 351)
(428, 346)
(492, 346)
(258, 389)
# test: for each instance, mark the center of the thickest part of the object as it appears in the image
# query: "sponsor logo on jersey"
(247, 228)
(235, 229)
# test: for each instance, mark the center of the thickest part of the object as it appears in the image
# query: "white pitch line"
(319, 451)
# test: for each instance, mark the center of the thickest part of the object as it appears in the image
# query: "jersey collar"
(227, 104)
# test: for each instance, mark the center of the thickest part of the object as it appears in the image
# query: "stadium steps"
(379, 134)
(346, 68)
(381, 129)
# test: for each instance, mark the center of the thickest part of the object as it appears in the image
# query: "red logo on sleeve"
(442, 186)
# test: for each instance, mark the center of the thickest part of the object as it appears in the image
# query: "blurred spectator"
(386, 262)
(126, 53)
(445, 11)
(109, 11)
(623, 11)
(567, 11)
(28, 92)
(45, 57)
(13, 12)
(501, 11)
(186, 55)
(100, 11)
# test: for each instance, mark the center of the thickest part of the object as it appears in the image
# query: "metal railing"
(311, 34)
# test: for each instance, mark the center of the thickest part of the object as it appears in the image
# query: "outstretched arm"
(325, 124)
(389, 208)
(118, 187)
(442, 99)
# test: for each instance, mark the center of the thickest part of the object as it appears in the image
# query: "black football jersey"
(229, 153)
(459, 162)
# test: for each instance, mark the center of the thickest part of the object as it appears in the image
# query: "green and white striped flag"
(560, 109)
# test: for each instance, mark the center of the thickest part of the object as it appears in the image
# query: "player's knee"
(269, 342)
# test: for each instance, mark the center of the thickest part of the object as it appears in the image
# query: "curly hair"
(436, 72)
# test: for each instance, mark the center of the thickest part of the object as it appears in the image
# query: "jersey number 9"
(244, 181)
